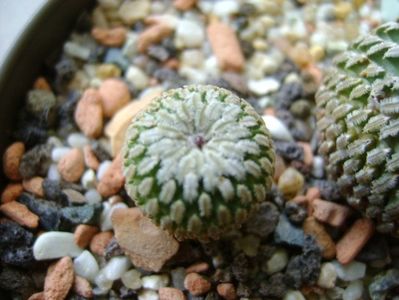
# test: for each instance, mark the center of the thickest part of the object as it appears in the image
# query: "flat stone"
(20, 213)
(59, 279)
(148, 246)
(277, 128)
(286, 233)
(86, 266)
(352, 271)
(55, 244)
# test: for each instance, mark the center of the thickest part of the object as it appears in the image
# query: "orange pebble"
(41, 84)
(83, 234)
(34, 185)
(100, 241)
(330, 212)
(11, 192)
(20, 214)
(198, 267)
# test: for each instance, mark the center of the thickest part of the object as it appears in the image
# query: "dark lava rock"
(287, 233)
(241, 267)
(376, 252)
(169, 44)
(159, 53)
(112, 249)
(189, 252)
(65, 70)
(126, 293)
(296, 213)
(35, 162)
(304, 268)
(66, 109)
(21, 256)
(301, 109)
(47, 211)
(212, 296)
(169, 77)
(16, 281)
(288, 93)
(274, 287)
(301, 131)
(86, 214)
(100, 152)
(383, 285)
(42, 105)
(286, 117)
(289, 150)
(247, 47)
(53, 191)
(12, 234)
(243, 290)
(329, 189)
(264, 220)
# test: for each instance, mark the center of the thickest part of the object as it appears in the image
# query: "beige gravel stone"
(113, 37)
(83, 234)
(12, 159)
(168, 293)
(148, 246)
(34, 185)
(59, 279)
(82, 287)
(71, 166)
(112, 180)
(91, 161)
(89, 113)
(11, 192)
(225, 46)
(20, 214)
(330, 212)
(196, 284)
(114, 95)
(116, 128)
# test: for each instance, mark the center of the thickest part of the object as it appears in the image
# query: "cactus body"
(358, 120)
(198, 160)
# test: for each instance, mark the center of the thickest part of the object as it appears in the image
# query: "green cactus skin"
(357, 111)
(198, 161)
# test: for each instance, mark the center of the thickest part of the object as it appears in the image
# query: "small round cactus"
(197, 161)
(358, 110)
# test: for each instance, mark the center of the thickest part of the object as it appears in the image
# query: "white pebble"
(189, 34)
(130, 47)
(86, 266)
(263, 86)
(54, 141)
(193, 74)
(192, 58)
(102, 168)
(116, 266)
(58, 152)
(105, 218)
(137, 77)
(211, 66)
(55, 244)
(93, 196)
(277, 262)
(53, 173)
(131, 279)
(294, 295)
(327, 276)
(354, 291)
(89, 179)
(155, 282)
(77, 140)
(76, 50)
(318, 167)
(352, 271)
(148, 295)
(225, 8)
(277, 128)
(103, 283)
(132, 11)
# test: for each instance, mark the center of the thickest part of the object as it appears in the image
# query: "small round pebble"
(168, 293)
(294, 295)
(116, 267)
(227, 291)
(132, 279)
(277, 262)
(77, 140)
(349, 272)
(155, 282)
(71, 165)
(196, 284)
(114, 94)
(327, 276)
(277, 128)
(353, 291)
(86, 266)
(92, 196)
(290, 182)
(12, 159)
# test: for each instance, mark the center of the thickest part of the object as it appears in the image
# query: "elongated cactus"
(358, 109)
(198, 160)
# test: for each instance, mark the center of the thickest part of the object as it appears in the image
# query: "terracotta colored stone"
(198, 268)
(37, 296)
(12, 159)
(300, 199)
(83, 234)
(148, 246)
(330, 212)
(227, 291)
(91, 161)
(184, 4)
(172, 63)
(112, 180)
(20, 214)
(312, 193)
(152, 35)
(100, 241)
(168, 293)
(225, 46)
(307, 153)
(114, 95)
(354, 240)
(11, 192)
(82, 287)
(41, 84)
(59, 279)
(71, 166)
(196, 284)
(312, 227)
(34, 186)
(117, 127)
(113, 37)
(89, 113)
